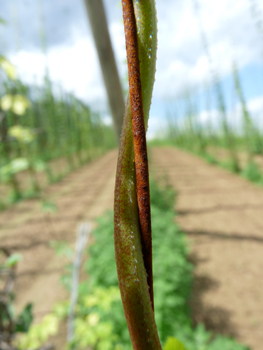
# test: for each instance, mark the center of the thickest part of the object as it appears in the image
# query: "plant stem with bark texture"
(139, 139)
(127, 221)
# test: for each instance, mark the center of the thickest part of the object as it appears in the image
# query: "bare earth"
(220, 212)
(25, 228)
(222, 216)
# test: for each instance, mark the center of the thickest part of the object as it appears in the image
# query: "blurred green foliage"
(173, 344)
(218, 135)
(172, 283)
(253, 173)
(99, 321)
(38, 334)
(41, 125)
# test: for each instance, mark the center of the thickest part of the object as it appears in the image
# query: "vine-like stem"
(139, 139)
(128, 225)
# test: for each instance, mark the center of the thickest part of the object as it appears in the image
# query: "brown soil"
(219, 211)
(58, 167)
(222, 216)
(26, 229)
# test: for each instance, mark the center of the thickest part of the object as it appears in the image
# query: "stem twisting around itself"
(131, 205)
(139, 139)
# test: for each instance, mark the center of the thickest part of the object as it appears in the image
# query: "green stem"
(128, 248)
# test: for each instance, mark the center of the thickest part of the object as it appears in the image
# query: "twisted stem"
(139, 139)
(132, 227)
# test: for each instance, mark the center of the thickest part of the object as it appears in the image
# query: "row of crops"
(44, 134)
(215, 121)
(231, 139)
(99, 321)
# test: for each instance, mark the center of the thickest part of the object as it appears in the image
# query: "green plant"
(253, 173)
(38, 126)
(132, 217)
(132, 233)
(93, 323)
(11, 324)
(99, 317)
(38, 334)
(210, 158)
(172, 274)
(173, 343)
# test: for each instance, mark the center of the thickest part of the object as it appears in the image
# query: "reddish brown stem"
(139, 138)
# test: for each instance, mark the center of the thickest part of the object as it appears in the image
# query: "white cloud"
(227, 24)
(181, 59)
(155, 128)
(255, 105)
(117, 36)
(234, 116)
(75, 68)
(229, 30)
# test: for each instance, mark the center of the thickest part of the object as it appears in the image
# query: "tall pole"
(99, 26)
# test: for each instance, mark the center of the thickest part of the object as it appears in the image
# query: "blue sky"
(232, 32)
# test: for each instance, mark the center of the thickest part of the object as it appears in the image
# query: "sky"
(231, 29)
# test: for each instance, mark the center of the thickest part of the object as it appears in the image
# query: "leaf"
(24, 320)
(61, 309)
(93, 319)
(6, 102)
(17, 103)
(50, 325)
(61, 248)
(2, 21)
(173, 344)
(19, 164)
(39, 165)
(14, 167)
(49, 207)
(20, 104)
(12, 260)
(22, 134)
(39, 333)
(8, 67)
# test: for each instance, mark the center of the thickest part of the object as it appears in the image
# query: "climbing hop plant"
(132, 221)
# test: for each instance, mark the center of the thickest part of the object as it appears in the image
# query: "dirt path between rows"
(220, 212)
(222, 216)
(26, 229)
